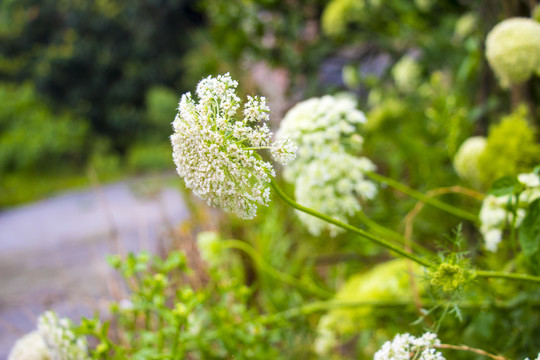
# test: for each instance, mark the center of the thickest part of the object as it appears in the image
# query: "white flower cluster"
(467, 159)
(213, 148)
(54, 340)
(60, 339)
(320, 125)
(405, 347)
(513, 50)
(30, 347)
(327, 177)
(332, 184)
(537, 358)
(495, 214)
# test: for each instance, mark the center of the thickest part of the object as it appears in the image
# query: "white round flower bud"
(467, 157)
(513, 50)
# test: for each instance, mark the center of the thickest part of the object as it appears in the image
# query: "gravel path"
(52, 253)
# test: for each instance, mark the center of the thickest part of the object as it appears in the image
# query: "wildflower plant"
(214, 147)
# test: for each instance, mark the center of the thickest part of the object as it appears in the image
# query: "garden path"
(52, 252)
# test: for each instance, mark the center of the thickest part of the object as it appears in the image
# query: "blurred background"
(88, 91)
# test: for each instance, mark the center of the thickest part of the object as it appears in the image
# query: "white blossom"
(467, 159)
(30, 347)
(213, 148)
(283, 151)
(333, 184)
(529, 180)
(406, 346)
(327, 177)
(60, 339)
(321, 125)
(496, 213)
(513, 50)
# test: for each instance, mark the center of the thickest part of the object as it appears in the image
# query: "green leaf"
(529, 235)
(504, 186)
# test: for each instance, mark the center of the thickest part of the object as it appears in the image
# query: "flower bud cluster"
(327, 177)
(405, 347)
(213, 148)
(496, 213)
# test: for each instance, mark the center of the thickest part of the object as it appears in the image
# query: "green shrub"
(511, 148)
(150, 157)
(32, 135)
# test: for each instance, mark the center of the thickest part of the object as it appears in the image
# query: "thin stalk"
(506, 275)
(353, 229)
(271, 271)
(323, 306)
(470, 349)
(392, 247)
(424, 198)
(514, 222)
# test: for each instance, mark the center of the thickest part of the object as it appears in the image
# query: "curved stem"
(470, 349)
(506, 275)
(326, 305)
(424, 198)
(353, 229)
(320, 306)
(271, 271)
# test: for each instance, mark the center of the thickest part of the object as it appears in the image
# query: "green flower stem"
(425, 199)
(323, 306)
(350, 228)
(397, 237)
(506, 275)
(320, 306)
(271, 271)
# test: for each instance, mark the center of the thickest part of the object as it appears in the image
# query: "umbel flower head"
(405, 347)
(54, 340)
(333, 184)
(214, 147)
(327, 177)
(513, 50)
(30, 347)
(60, 339)
(321, 125)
